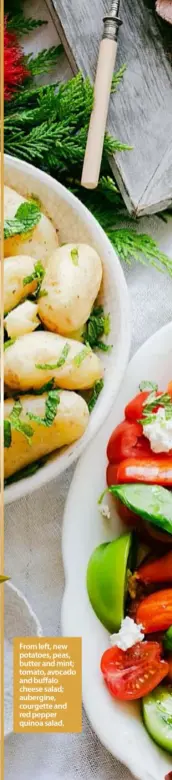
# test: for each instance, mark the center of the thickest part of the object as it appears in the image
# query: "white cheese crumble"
(105, 511)
(159, 432)
(129, 634)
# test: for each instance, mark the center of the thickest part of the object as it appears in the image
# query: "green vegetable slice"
(106, 580)
(152, 502)
(157, 716)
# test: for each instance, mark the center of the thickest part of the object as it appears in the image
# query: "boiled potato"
(22, 320)
(72, 282)
(69, 425)
(39, 243)
(15, 271)
(78, 369)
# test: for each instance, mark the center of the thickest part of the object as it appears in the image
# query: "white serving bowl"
(75, 223)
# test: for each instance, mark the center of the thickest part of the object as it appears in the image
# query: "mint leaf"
(26, 218)
(45, 388)
(60, 362)
(38, 274)
(74, 255)
(146, 385)
(8, 343)
(97, 325)
(27, 471)
(7, 433)
(51, 404)
(95, 392)
(14, 422)
(78, 359)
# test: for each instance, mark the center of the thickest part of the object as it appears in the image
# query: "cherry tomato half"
(133, 673)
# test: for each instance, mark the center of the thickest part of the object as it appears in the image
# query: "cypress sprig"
(43, 61)
(22, 25)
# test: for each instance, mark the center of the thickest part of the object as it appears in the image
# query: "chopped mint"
(26, 218)
(60, 361)
(74, 255)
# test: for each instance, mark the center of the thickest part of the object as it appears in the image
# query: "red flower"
(15, 72)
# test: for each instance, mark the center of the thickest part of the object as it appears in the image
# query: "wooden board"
(141, 112)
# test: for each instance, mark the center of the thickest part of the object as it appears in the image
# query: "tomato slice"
(133, 673)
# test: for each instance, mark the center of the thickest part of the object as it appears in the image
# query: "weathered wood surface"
(141, 112)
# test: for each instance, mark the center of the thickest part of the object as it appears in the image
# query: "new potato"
(22, 320)
(69, 425)
(72, 282)
(42, 347)
(15, 271)
(39, 243)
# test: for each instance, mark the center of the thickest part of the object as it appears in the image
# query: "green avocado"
(157, 716)
(107, 579)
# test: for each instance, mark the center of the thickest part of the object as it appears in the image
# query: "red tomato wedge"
(134, 410)
(127, 441)
(133, 673)
(150, 470)
(155, 611)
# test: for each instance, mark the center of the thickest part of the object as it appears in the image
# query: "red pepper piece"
(149, 470)
(155, 611)
(159, 570)
(127, 441)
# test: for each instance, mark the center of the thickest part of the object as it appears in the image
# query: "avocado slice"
(107, 580)
(152, 502)
(157, 716)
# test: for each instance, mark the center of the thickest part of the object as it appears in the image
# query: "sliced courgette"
(157, 716)
(152, 502)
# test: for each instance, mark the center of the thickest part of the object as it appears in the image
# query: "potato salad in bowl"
(60, 342)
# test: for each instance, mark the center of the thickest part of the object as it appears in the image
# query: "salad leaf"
(26, 218)
(60, 362)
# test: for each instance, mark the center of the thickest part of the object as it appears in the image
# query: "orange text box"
(47, 685)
